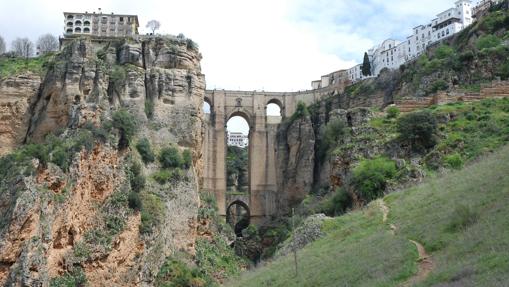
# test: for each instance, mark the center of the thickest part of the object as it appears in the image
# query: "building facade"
(237, 139)
(99, 24)
(391, 54)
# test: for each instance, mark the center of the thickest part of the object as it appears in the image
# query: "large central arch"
(262, 198)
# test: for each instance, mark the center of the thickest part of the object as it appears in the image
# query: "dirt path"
(425, 266)
(425, 260)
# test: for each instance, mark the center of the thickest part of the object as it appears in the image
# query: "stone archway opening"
(237, 156)
(206, 107)
(274, 111)
(238, 216)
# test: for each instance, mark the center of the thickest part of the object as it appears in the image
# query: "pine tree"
(366, 66)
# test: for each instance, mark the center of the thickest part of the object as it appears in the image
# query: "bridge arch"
(240, 217)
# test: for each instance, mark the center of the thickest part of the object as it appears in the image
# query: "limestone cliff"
(73, 221)
(295, 159)
(16, 96)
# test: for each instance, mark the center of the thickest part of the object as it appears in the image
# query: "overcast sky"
(271, 45)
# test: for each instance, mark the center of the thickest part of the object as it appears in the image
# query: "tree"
(419, 129)
(23, 47)
(47, 43)
(366, 66)
(153, 25)
(2, 45)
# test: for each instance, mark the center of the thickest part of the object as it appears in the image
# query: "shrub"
(170, 157)
(338, 204)
(454, 161)
(439, 85)
(134, 201)
(466, 56)
(127, 126)
(143, 147)
(392, 112)
(187, 159)
(136, 178)
(444, 52)
(76, 277)
(151, 212)
(488, 41)
(162, 176)
(462, 217)
(176, 273)
(300, 112)
(118, 75)
(332, 134)
(419, 129)
(371, 176)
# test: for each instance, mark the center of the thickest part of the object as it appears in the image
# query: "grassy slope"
(359, 249)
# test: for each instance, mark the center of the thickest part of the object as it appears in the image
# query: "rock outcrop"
(16, 95)
(295, 159)
(49, 213)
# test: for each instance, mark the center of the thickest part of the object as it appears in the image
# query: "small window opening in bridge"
(273, 112)
(206, 107)
(237, 156)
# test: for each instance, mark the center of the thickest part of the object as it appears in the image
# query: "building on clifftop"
(100, 25)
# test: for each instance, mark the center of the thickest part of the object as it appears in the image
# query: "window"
(70, 17)
(77, 22)
(69, 24)
(121, 19)
(86, 30)
(86, 23)
(69, 31)
(77, 30)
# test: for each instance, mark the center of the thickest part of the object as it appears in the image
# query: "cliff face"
(16, 95)
(295, 159)
(54, 220)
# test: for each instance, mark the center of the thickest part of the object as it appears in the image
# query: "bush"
(187, 159)
(300, 112)
(439, 85)
(175, 273)
(165, 176)
(143, 147)
(488, 41)
(134, 201)
(371, 176)
(162, 176)
(170, 157)
(136, 178)
(444, 52)
(338, 204)
(74, 278)
(462, 217)
(152, 211)
(332, 135)
(419, 129)
(392, 112)
(454, 161)
(127, 126)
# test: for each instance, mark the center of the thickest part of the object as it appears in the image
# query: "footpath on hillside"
(425, 261)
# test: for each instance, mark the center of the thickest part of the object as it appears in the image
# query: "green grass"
(16, 66)
(359, 250)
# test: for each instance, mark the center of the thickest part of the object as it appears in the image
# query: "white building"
(391, 54)
(238, 139)
(99, 24)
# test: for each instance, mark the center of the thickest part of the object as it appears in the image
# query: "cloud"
(279, 45)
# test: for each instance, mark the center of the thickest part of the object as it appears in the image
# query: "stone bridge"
(262, 192)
